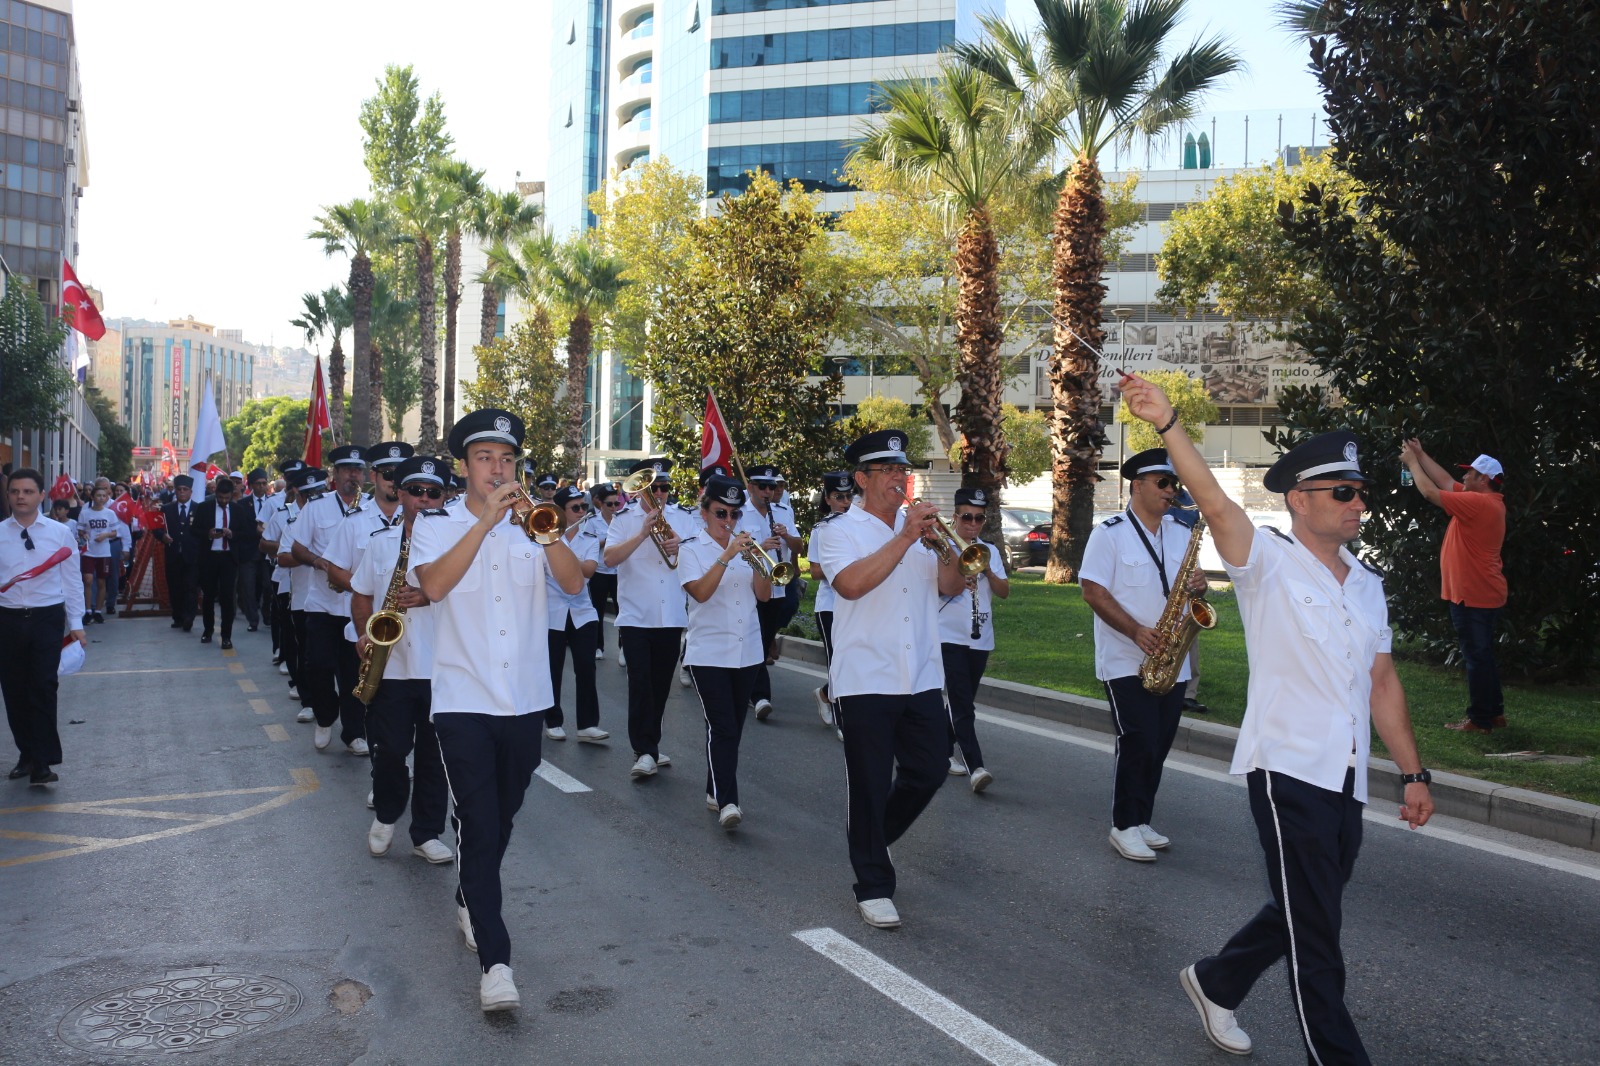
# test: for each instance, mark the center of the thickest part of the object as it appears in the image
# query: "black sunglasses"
(839, 494)
(27, 541)
(387, 471)
(1345, 493)
(1165, 482)
(969, 518)
(720, 512)
(419, 491)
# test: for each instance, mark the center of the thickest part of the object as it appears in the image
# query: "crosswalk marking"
(559, 778)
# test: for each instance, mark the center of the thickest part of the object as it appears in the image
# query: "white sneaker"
(683, 677)
(1153, 839)
(599, 654)
(711, 803)
(555, 732)
(305, 715)
(763, 710)
(283, 668)
(322, 737)
(434, 851)
(730, 816)
(358, 746)
(592, 734)
(464, 920)
(1221, 1027)
(369, 801)
(622, 659)
(294, 693)
(379, 837)
(840, 734)
(824, 708)
(1130, 845)
(645, 767)
(957, 767)
(981, 779)
(663, 760)
(879, 913)
(496, 991)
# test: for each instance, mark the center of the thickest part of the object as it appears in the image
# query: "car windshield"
(1027, 516)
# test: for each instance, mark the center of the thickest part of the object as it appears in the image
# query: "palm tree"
(314, 323)
(393, 323)
(356, 229)
(1094, 75)
(582, 282)
(423, 208)
(961, 137)
(500, 219)
(468, 184)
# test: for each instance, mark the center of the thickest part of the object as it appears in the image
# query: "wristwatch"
(1424, 778)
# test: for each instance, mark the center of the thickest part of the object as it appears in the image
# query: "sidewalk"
(1517, 810)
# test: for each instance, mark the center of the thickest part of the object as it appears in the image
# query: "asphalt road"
(201, 872)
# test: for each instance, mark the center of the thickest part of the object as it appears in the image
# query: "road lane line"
(559, 778)
(260, 707)
(246, 685)
(235, 668)
(960, 1025)
(276, 732)
(153, 670)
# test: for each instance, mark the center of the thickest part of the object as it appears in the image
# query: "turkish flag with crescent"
(316, 418)
(716, 446)
(76, 307)
(63, 489)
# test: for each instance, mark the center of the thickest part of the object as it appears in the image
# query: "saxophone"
(1182, 619)
(384, 629)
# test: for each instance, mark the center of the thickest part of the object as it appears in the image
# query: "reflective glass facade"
(35, 76)
(799, 101)
(815, 164)
(821, 46)
(741, 7)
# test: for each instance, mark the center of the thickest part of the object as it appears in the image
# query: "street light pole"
(1121, 314)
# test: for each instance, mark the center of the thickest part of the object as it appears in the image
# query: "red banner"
(716, 445)
(316, 418)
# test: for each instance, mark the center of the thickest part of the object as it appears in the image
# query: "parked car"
(1016, 526)
(1037, 539)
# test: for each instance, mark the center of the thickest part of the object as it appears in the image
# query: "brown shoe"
(1498, 721)
(1467, 725)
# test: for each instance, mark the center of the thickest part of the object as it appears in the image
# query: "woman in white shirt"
(966, 637)
(724, 635)
(575, 626)
(836, 497)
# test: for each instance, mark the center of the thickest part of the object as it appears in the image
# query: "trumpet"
(638, 485)
(970, 558)
(542, 522)
(761, 563)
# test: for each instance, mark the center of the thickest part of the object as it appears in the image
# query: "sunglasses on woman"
(419, 491)
(1345, 493)
(722, 512)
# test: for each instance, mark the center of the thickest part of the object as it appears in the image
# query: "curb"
(1516, 810)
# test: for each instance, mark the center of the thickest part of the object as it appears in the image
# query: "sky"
(217, 131)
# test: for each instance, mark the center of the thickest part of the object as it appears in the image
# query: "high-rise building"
(164, 367)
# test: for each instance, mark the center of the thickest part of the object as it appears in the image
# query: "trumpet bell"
(974, 559)
(638, 481)
(544, 523)
(783, 573)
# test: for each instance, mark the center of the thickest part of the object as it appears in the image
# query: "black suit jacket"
(181, 530)
(241, 521)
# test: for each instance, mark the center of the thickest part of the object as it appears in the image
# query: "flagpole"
(733, 448)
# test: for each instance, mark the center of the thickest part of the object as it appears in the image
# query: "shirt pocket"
(1137, 570)
(1312, 610)
(524, 567)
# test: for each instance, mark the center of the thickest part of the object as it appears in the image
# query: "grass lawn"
(1044, 636)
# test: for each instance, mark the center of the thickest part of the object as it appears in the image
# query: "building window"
(500, 318)
(818, 46)
(800, 101)
(741, 7)
(815, 164)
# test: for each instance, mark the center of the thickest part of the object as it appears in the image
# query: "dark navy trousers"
(652, 660)
(1146, 724)
(1475, 630)
(397, 725)
(963, 669)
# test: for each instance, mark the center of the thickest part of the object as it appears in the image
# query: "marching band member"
(1128, 569)
(887, 675)
(491, 675)
(836, 499)
(309, 484)
(603, 582)
(771, 524)
(575, 625)
(651, 613)
(1317, 635)
(724, 634)
(398, 717)
(966, 637)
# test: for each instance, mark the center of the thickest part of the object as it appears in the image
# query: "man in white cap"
(1472, 580)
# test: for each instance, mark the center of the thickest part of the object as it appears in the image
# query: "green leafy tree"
(393, 330)
(34, 379)
(1190, 401)
(519, 373)
(328, 313)
(583, 283)
(240, 430)
(403, 134)
(1028, 433)
(277, 432)
(115, 453)
(885, 412)
(1468, 313)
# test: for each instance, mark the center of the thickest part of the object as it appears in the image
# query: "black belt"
(29, 612)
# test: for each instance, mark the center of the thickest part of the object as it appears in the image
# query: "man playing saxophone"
(1129, 568)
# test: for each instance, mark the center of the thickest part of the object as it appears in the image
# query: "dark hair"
(29, 473)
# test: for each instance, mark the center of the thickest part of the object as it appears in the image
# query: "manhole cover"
(180, 1012)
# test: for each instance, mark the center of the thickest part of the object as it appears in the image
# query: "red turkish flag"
(316, 418)
(62, 489)
(716, 446)
(125, 508)
(76, 307)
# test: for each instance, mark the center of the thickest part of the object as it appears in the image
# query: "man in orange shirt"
(1471, 578)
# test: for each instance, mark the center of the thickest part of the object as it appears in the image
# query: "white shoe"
(683, 677)
(663, 760)
(294, 693)
(305, 715)
(1130, 845)
(824, 708)
(379, 837)
(369, 801)
(1153, 839)
(879, 913)
(840, 734)
(730, 816)
(645, 767)
(957, 767)
(599, 654)
(464, 920)
(622, 659)
(555, 732)
(981, 779)
(322, 737)
(283, 668)
(358, 746)
(592, 734)
(711, 803)
(496, 991)
(763, 710)
(1221, 1027)
(434, 851)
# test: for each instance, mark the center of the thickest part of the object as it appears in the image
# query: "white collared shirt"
(601, 529)
(62, 583)
(92, 523)
(300, 577)
(649, 594)
(955, 612)
(1115, 559)
(760, 525)
(317, 522)
(886, 641)
(223, 518)
(277, 525)
(585, 545)
(1311, 643)
(491, 652)
(411, 657)
(826, 597)
(351, 539)
(725, 630)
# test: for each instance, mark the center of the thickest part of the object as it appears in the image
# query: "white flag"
(208, 440)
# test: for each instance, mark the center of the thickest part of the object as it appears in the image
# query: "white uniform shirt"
(62, 583)
(955, 613)
(411, 657)
(602, 530)
(491, 652)
(277, 524)
(760, 526)
(648, 591)
(1115, 559)
(887, 641)
(825, 594)
(315, 528)
(585, 545)
(92, 523)
(724, 631)
(1311, 643)
(301, 577)
(350, 541)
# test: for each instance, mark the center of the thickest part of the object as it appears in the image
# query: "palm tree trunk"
(487, 314)
(376, 363)
(452, 304)
(579, 338)
(361, 330)
(978, 370)
(1076, 434)
(428, 435)
(336, 389)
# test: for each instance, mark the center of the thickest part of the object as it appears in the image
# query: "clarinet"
(977, 623)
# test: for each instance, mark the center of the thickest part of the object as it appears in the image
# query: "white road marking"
(960, 1025)
(561, 779)
(1384, 817)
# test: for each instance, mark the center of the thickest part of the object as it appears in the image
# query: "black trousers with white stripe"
(963, 669)
(652, 660)
(582, 641)
(1311, 837)
(724, 693)
(397, 725)
(1146, 725)
(330, 666)
(769, 613)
